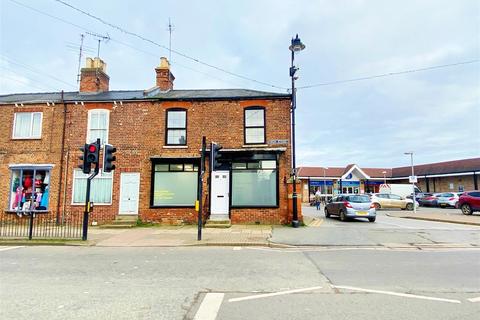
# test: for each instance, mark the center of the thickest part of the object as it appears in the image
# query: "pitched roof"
(155, 94)
(318, 171)
(446, 167)
(455, 166)
(378, 172)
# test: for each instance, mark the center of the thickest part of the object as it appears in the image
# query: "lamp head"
(296, 45)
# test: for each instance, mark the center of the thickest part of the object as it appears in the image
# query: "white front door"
(129, 189)
(220, 195)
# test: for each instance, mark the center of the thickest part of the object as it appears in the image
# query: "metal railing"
(40, 226)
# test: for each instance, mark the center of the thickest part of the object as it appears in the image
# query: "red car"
(469, 202)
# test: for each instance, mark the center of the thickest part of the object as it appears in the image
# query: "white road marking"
(10, 248)
(418, 249)
(266, 295)
(210, 305)
(237, 248)
(477, 299)
(391, 293)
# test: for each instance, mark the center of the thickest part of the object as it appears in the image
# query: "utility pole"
(412, 181)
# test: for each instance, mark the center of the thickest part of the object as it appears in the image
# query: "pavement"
(445, 227)
(173, 236)
(451, 215)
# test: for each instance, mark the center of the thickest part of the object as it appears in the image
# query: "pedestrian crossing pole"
(198, 203)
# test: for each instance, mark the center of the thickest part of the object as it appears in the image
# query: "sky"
(434, 113)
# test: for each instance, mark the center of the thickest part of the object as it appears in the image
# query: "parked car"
(447, 199)
(421, 195)
(430, 200)
(388, 200)
(401, 189)
(469, 202)
(351, 206)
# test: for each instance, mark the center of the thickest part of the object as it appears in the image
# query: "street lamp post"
(325, 184)
(413, 183)
(296, 46)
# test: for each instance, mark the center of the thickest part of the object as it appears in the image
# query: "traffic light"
(90, 156)
(215, 156)
(93, 153)
(109, 158)
(84, 165)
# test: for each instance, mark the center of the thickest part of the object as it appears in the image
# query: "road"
(387, 231)
(311, 282)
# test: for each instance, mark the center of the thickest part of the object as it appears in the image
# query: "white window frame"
(89, 120)
(99, 176)
(31, 125)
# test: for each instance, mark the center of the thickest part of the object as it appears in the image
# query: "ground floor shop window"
(174, 184)
(255, 184)
(30, 188)
(100, 189)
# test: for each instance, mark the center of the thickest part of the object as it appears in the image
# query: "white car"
(447, 199)
(388, 200)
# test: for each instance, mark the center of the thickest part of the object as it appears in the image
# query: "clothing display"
(30, 189)
(44, 202)
(18, 197)
(27, 183)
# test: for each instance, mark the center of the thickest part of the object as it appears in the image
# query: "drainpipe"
(61, 158)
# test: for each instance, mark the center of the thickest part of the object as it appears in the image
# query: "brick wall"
(137, 130)
(442, 184)
(46, 150)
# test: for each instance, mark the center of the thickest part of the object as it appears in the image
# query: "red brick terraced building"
(157, 133)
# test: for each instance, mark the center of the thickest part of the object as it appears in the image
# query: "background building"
(456, 176)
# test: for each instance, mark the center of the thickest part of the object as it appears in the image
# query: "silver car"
(447, 199)
(351, 206)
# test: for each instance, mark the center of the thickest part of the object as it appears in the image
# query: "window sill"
(94, 204)
(34, 138)
(10, 211)
(255, 206)
(170, 206)
(254, 145)
(175, 147)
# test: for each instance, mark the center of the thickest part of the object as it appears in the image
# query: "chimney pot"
(93, 77)
(164, 77)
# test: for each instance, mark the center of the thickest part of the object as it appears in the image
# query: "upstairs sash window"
(176, 127)
(27, 125)
(254, 125)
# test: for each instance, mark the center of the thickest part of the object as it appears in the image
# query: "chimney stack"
(164, 76)
(93, 78)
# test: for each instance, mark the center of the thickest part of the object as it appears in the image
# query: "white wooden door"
(220, 195)
(129, 192)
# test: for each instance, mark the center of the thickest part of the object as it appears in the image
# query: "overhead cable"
(387, 74)
(165, 47)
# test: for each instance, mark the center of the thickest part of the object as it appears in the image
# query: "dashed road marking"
(237, 248)
(477, 299)
(266, 295)
(210, 305)
(391, 293)
(10, 248)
